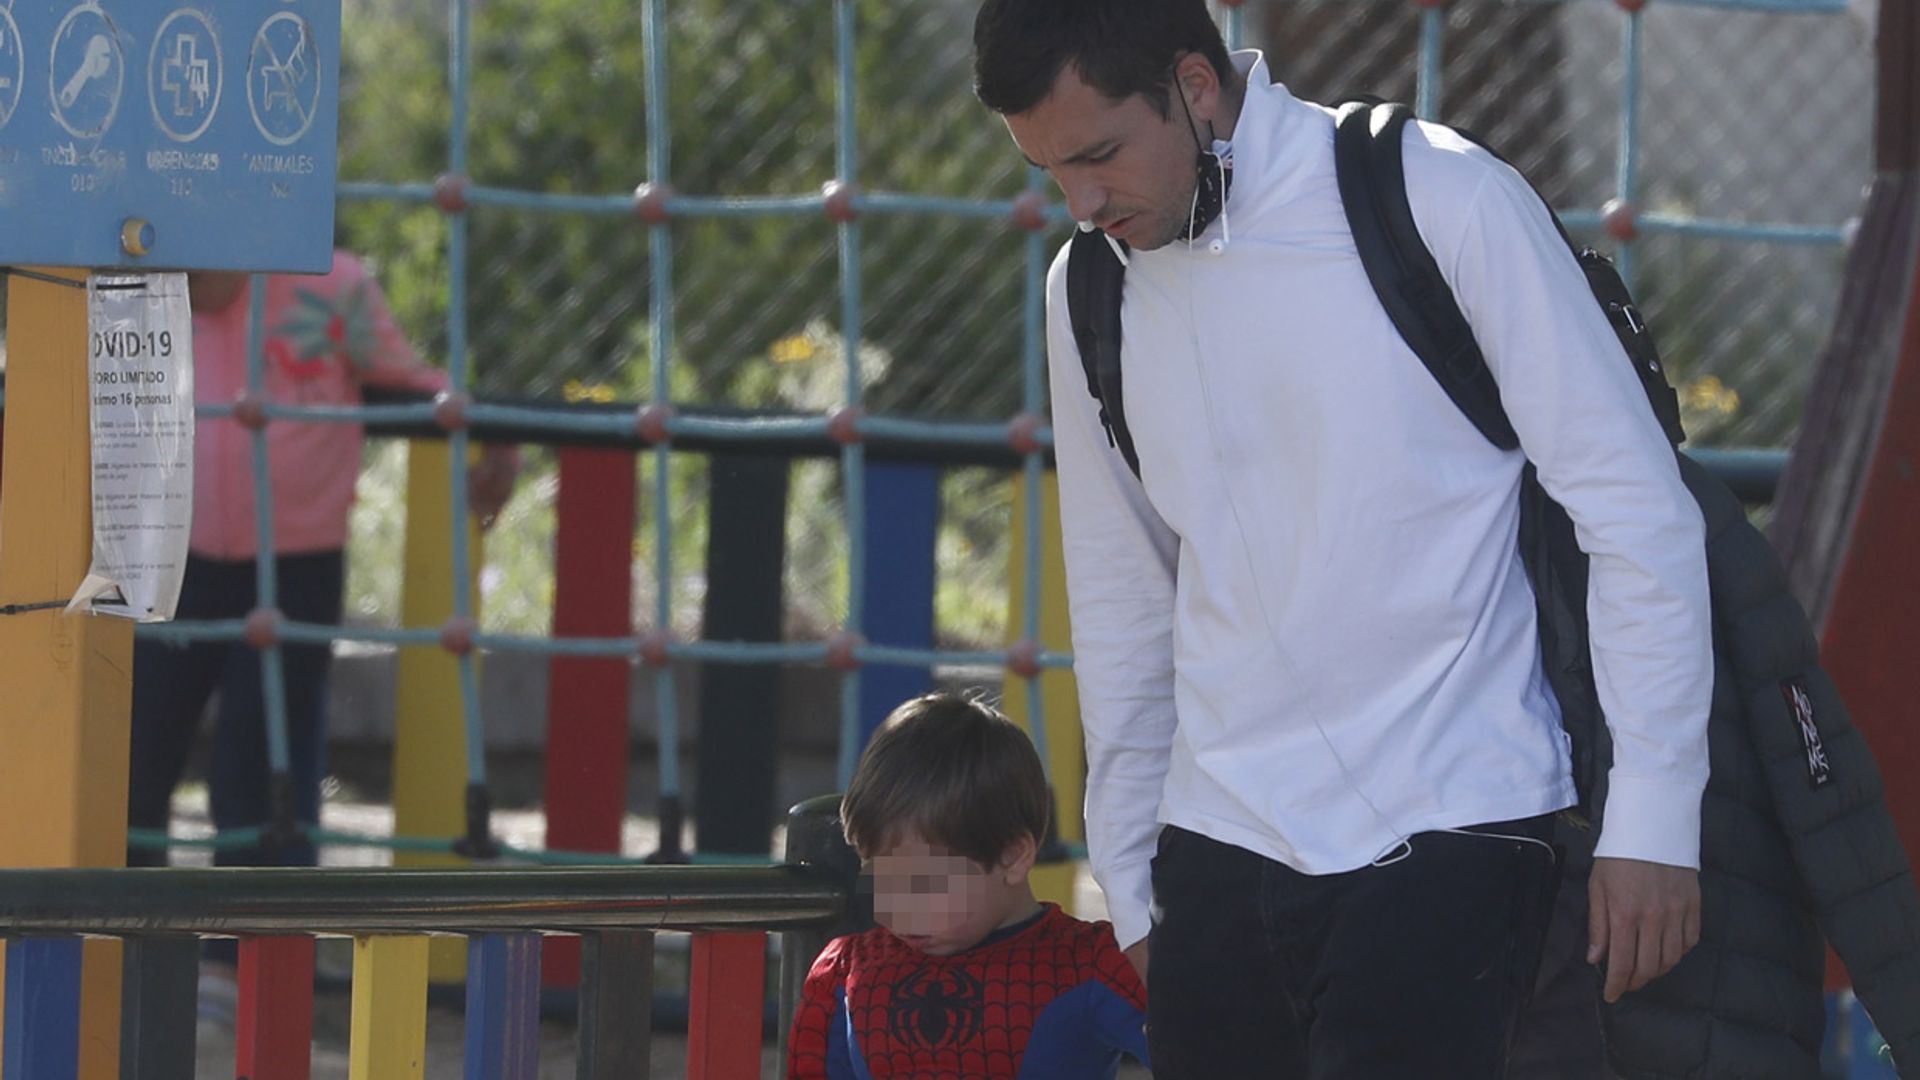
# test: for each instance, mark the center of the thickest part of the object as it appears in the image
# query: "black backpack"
(1367, 157)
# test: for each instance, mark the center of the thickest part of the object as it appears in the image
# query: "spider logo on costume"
(937, 1006)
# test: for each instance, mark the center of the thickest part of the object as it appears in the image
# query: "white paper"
(140, 360)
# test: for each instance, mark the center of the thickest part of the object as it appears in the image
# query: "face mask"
(1213, 180)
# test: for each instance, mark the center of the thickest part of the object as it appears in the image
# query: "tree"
(558, 105)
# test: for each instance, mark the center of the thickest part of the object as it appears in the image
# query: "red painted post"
(587, 697)
(725, 1006)
(275, 1021)
(1871, 636)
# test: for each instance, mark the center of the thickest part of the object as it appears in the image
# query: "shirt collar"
(1271, 137)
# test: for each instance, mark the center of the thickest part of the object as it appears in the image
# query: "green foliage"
(559, 303)
(1733, 349)
(559, 105)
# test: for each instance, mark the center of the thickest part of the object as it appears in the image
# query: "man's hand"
(1643, 918)
(1137, 953)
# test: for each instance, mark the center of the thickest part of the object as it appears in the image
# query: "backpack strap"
(1416, 296)
(1368, 140)
(1095, 277)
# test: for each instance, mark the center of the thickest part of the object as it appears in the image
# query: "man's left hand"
(1643, 917)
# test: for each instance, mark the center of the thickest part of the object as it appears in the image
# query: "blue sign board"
(169, 134)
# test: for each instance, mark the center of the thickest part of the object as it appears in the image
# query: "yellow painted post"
(66, 680)
(1066, 764)
(430, 737)
(388, 1038)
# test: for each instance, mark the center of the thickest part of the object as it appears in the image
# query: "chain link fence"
(1744, 117)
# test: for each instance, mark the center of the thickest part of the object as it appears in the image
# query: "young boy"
(967, 976)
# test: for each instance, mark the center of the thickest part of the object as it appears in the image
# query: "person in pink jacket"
(327, 336)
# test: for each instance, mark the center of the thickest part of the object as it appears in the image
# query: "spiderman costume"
(1050, 997)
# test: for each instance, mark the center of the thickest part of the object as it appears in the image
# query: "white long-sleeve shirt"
(1309, 633)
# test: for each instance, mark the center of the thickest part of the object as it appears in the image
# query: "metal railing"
(161, 915)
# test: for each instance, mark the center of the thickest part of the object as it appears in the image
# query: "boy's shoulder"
(1058, 928)
(1098, 953)
(863, 950)
(867, 943)
(1089, 934)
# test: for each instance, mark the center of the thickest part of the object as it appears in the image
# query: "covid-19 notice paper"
(140, 361)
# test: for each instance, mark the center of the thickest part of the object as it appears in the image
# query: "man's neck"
(1232, 97)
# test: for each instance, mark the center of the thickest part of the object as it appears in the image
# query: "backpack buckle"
(1632, 315)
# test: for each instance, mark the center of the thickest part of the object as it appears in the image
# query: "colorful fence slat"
(388, 1040)
(616, 1006)
(275, 1022)
(160, 978)
(727, 1003)
(503, 1007)
(42, 1040)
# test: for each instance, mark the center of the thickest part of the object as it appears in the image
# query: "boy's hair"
(953, 770)
(1119, 47)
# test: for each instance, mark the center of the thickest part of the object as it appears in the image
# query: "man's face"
(1120, 164)
(938, 901)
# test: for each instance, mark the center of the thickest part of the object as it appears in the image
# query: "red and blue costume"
(1050, 997)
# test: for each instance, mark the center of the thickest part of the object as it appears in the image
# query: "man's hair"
(1119, 47)
(953, 770)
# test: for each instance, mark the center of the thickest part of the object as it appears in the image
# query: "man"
(1321, 750)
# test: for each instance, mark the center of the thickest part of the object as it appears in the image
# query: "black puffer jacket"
(1785, 855)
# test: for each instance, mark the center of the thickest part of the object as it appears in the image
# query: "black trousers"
(172, 685)
(1415, 967)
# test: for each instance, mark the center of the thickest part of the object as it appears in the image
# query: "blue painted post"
(460, 65)
(273, 680)
(503, 1007)
(904, 515)
(1627, 182)
(42, 1038)
(1433, 27)
(660, 315)
(852, 455)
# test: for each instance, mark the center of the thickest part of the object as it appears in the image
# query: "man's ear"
(1196, 79)
(1016, 863)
